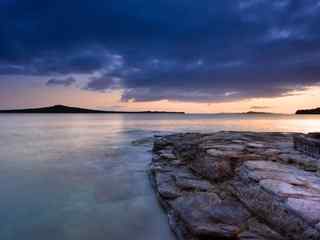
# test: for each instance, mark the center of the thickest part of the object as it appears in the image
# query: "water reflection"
(78, 176)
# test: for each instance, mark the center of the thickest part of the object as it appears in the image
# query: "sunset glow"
(209, 58)
(111, 100)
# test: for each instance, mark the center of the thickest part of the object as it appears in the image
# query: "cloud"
(171, 49)
(66, 82)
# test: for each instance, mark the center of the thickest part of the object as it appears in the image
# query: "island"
(61, 109)
(308, 111)
(254, 112)
(239, 185)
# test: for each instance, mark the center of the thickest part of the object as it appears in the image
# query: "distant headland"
(309, 111)
(254, 112)
(65, 109)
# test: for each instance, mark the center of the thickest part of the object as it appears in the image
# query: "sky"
(203, 56)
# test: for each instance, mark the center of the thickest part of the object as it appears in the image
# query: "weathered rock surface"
(237, 185)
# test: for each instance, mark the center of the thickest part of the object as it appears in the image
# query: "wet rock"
(308, 209)
(166, 186)
(255, 145)
(167, 155)
(193, 184)
(231, 147)
(144, 141)
(155, 158)
(182, 171)
(272, 210)
(237, 185)
(206, 215)
(268, 166)
(160, 143)
(259, 231)
(280, 195)
(229, 212)
(212, 168)
(215, 152)
(285, 189)
(305, 162)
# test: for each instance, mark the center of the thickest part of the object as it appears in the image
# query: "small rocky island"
(308, 111)
(239, 185)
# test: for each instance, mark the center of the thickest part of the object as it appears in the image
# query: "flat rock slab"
(284, 180)
(205, 214)
(237, 185)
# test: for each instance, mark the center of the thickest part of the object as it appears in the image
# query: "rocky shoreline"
(237, 185)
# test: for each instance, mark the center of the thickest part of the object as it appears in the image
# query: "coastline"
(61, 109)
(237, 185)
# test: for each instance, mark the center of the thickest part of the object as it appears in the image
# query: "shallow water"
(79, 176)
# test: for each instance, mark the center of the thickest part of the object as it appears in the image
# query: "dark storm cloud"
(170, 49)
(61, 82)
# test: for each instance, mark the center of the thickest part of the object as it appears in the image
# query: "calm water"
(78, 177)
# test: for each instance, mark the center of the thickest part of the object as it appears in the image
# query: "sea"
(85, 176)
